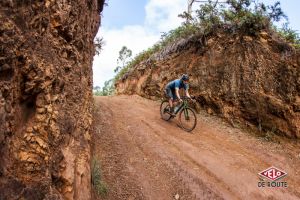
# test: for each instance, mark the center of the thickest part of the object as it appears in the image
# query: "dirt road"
(144, 157)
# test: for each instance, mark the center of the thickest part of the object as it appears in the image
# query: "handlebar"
(185, 97)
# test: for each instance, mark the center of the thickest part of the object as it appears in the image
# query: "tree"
(97, 91)
(276, 12)
(99, 43)
(124, 55)
(97, 88)
(107, 89)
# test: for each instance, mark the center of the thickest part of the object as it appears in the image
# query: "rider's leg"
(170, 97)
(171, 104)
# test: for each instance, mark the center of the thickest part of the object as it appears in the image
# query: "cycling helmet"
(185, 77)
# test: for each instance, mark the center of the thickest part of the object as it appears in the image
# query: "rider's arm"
(187, 93)
(177, 92)
(186, 89)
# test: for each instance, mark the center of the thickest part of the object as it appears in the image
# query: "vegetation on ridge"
(239, 16)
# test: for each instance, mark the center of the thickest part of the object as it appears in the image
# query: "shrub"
(289, 35)
(181, 32)
(249, 17)
(97, 182)
(208, 17)
(99, 43)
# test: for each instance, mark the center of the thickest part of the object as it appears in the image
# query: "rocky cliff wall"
(46, 51)
(253, 80)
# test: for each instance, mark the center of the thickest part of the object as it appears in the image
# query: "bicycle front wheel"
(187, 119)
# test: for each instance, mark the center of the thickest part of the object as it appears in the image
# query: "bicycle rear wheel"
(165, 110)
(187, 119)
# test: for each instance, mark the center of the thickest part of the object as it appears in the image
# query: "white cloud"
(161, 16)
(135, 38)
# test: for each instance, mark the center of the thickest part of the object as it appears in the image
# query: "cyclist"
(172, 90)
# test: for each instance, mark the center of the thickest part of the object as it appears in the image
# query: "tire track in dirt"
(252, 160)
(189, 161)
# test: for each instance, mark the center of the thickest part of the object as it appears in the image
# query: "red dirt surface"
(144, 157)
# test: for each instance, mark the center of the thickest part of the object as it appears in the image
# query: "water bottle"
(176, 108)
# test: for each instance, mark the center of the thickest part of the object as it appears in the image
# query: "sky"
(138, 24)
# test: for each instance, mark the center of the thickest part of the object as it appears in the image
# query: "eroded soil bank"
(46, 51)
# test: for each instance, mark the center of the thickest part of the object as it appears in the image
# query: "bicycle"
(186, 114)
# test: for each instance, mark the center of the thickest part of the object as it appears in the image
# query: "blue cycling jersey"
(177, 84)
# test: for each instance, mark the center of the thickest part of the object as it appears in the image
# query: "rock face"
(46, 51)
(253, 80)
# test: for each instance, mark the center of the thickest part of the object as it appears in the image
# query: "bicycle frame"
(183, 105)
(185, 113)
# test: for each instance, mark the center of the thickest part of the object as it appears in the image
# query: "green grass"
(98, 184)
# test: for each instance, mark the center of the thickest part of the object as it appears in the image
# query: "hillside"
(250, 79)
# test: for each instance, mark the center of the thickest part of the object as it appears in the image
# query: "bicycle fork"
(186, 114)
